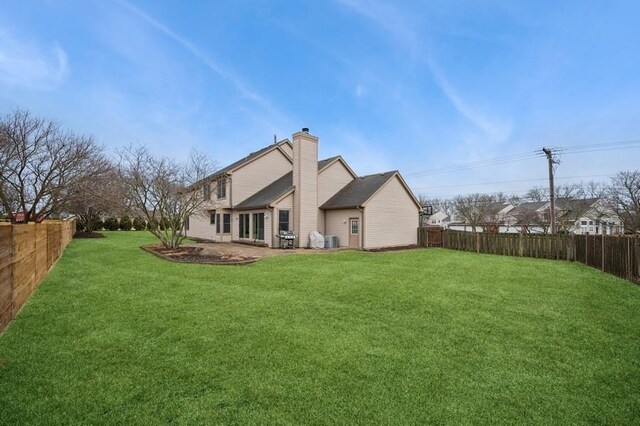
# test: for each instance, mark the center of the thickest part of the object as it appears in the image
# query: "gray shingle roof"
(524, 208)
(268, 194)
(358, 191)
(573, 209)
(323, 163)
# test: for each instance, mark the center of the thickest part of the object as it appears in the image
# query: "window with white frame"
(222, 189)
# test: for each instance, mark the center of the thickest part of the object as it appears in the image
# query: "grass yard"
(116, 335)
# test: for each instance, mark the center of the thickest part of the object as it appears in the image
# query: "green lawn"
(116, 335)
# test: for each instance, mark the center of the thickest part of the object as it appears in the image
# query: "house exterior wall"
(305, 181)
(199, 227)
(259, 173)
(337, 223)
(286, 147)
(331, 180)
(391, 217)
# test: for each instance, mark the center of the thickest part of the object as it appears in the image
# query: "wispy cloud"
(241, 87)
(495, 129)
(388, 17)
(402, 28)
(29, 64)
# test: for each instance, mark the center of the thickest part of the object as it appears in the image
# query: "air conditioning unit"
(330, 241)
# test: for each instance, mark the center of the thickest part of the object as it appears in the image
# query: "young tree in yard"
(94, 197)
(623, 197)
(474, 209)
(164, 191)
(39, 165)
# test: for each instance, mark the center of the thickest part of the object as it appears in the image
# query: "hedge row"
(124, 224)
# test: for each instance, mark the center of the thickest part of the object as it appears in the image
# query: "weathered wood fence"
(27, 252)
(617, 255)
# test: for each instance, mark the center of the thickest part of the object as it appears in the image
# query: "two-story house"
(283, 187)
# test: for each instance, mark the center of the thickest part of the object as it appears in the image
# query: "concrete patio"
(246, 250)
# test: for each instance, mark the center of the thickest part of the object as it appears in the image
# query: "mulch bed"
(191, 254)
(84, 234)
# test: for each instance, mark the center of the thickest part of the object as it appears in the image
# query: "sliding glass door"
(243, 231)
(258, 226)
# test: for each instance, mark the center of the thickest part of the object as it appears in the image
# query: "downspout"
(270, 208)
(361, 210)
(228, 176)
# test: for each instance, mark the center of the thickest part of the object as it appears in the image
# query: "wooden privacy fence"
(27, 252)
(617, 255)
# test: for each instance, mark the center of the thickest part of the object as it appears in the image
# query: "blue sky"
(408, 85)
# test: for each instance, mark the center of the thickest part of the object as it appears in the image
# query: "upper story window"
(222, 188)
(584, 222)
(206, 191)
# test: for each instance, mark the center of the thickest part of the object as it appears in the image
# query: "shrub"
(99, 224)
(125, 223)
(111, 224)
(139, 224)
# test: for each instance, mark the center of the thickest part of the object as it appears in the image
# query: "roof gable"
(248, 159)
(326, 163)
(358, 191)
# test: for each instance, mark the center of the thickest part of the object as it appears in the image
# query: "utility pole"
(552, 191)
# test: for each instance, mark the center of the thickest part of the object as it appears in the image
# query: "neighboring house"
(576, 216)
(590, 216)
(498, 212)
(283, 187)
(496, 220)
(439, 218)
(529, 217)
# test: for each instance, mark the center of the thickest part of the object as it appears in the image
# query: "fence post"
(602, 262)
(629, 268)
(477, 242)
(586, 249)
(6, 275)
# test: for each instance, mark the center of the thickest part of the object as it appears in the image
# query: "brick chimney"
(305, 180)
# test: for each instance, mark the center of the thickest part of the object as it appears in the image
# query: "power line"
(515, 191)
(573, 149)
(629, 142)
(508, 181)
(475, 164)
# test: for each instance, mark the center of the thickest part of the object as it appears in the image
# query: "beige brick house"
(283, 187)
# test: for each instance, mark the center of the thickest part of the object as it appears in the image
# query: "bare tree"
(623, 197)
(163, 191)
(94, 197)
(39, 164)
(537, 194)
(474, 209)
(439, 204)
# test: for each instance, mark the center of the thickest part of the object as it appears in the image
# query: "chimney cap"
(305, 130)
